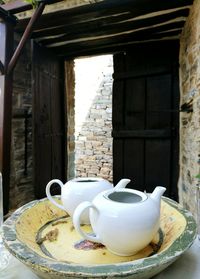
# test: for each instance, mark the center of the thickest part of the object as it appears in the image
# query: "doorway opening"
(93, 117)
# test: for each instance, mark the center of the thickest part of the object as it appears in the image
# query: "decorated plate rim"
(35, 261)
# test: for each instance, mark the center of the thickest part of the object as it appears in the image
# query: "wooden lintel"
(86, 31)
(111, 48)
(103, 24)
(140, 35)
(103, 9)
(26, 36)
(2, 69)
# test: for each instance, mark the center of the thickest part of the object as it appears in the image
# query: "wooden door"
(145, 116)
(48, 119)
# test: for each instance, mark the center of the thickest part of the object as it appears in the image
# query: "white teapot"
(124, 220)
(76, 191)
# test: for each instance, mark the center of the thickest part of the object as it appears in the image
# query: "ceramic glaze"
(124, 220)
(76, 191)
(124, 197)
(19, 236)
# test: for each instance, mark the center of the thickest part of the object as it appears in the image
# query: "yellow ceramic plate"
(59, 240)
(42, 237)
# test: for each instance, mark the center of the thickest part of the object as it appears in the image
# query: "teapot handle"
(49, 196)
(77, 217)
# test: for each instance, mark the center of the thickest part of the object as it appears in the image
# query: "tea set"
(124, 220)
(76, 191)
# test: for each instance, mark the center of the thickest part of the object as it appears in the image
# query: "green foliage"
(198, 176)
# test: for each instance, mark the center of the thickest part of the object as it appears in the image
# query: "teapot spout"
(157, 193)
(122, 183)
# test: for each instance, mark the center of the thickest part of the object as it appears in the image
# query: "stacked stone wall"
(93, 141)
(190, 96)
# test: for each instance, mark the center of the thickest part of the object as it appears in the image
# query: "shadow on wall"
(93, 117)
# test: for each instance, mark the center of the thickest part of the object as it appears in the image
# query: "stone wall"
(21, 188)
(93, 140)
(190, 122)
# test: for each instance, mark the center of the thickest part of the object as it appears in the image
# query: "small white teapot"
(124, 220)
(76, 191)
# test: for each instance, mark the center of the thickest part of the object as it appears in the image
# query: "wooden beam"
(16, 6)
(89, 30)
(115, 38)
(112, 48)
(103, 9)
(25, 36)
(6, 39)
(105, 23)
(6, 16)
(19, 6)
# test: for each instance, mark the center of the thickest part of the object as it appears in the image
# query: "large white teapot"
(76, 191)
(124, 220)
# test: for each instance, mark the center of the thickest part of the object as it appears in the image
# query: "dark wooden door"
(48, 119)
(145, 116)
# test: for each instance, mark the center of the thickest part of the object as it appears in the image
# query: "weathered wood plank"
(149, 133)
(48, 113)
(6, 49)
(158, 165)
(16, 6)
(25, 37)
(91, 25)
(118, 88)
(102, 9)
(118, 37)
(115, 47)
(145, 142)
(146, 34)
(19, 6)
(6, 16)
(90, 30)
